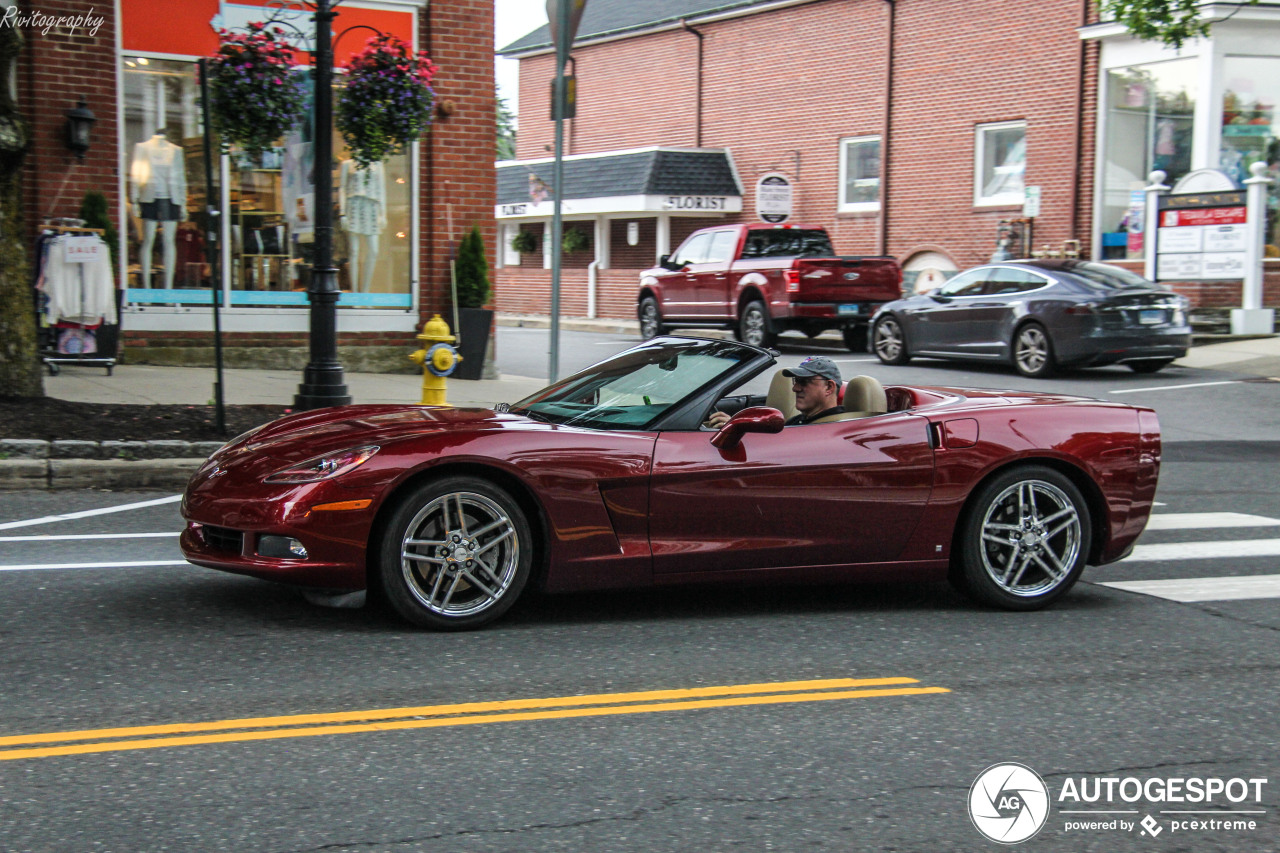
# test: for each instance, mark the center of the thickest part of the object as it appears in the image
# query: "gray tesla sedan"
(1039, 315)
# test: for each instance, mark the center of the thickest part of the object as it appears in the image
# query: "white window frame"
(979, 165)
(843, 206)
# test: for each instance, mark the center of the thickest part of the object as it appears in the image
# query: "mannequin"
(159, 195)
(363, 203)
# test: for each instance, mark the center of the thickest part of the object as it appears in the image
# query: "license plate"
(1151, 316)
(845, 310)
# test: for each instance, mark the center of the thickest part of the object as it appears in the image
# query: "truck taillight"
(793, 280)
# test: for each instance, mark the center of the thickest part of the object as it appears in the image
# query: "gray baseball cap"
(815, 365)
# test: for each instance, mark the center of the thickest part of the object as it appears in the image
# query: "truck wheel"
(753, 325)
(650, 319)
(855, 338)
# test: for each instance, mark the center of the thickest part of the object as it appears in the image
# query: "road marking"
(1205, 589)
(1189, 520)
(31, 567)
(46, 537)
(49, 519)
(438, 716)
(1176, 387)
(1205, 550)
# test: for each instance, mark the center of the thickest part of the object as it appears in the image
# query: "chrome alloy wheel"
(650, 322)
(1031, 351)
(754, 326)
(459, 554)
(887, 340)
(1031, 538)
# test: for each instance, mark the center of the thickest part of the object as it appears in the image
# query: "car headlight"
(324, 467)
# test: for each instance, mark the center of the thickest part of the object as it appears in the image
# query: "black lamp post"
(79, 123)
(322, 380)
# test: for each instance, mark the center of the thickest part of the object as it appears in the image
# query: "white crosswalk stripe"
(1196, 589)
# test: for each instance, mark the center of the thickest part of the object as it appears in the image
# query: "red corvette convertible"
(608, 479)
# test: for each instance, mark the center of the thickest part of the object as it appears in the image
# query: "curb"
(27, 464)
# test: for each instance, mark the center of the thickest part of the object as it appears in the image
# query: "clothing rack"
(106, 338)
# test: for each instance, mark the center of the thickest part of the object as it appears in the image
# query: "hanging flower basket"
(254, 97)
(387, 101)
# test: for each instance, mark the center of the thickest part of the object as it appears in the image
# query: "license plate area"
(1151, 316)
(849, 310)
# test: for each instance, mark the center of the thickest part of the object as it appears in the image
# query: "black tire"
(889, 342)
(1149, 365)
(754, 326)
(1033, 351)
(651, 324)
(855, 338)
(456, 554)
(1024, 539)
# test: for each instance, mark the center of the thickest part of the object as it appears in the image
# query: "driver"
(816, 384)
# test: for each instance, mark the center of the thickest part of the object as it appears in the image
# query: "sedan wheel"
(1025, 539)
(456, 555)
(650, 319)
(753, 325)
(889, 343)
(1033, 352)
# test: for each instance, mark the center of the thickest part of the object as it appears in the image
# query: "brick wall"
(55, 70)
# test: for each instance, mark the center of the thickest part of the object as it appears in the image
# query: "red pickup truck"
(759, 280)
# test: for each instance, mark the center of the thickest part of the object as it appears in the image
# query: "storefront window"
(860, 174)
(270, 208)
(1149, 118)
(1001, 163)
(1251, 128)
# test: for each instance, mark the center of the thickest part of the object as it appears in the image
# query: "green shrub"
(472, 271)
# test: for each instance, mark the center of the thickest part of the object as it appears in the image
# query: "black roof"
(653, 171)
(602, 18)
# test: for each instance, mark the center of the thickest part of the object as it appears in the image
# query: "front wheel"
(1033, 351)
(456, 554)
(1149, 365)
(889, 342)
(650, 319)
(753, 325)
(1024, 540)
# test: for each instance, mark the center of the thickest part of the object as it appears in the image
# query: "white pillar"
(546, 244)
(1151, 224)
(1252, 318)
(664, 235)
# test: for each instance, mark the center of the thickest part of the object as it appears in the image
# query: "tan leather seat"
(780, 396)
(864, 396)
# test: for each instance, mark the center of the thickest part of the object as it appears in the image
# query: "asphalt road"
(1110, 683)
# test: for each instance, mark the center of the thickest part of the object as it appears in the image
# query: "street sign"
(570, 97)
(774, 198)
(575, 17)
(1031, 202)
(1201, 236)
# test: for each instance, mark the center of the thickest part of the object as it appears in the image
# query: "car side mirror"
(667, 263)
(753, 419)
(936, 296)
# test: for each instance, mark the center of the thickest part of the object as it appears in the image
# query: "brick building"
(133, 63)
(908, 128)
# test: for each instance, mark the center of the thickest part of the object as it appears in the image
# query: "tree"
(19, 370)
(506, 131)
(1170, 21)
(472, 271)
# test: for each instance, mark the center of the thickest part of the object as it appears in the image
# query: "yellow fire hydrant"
(438, 360)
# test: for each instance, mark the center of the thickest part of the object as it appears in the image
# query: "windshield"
(635, 388)
(787, 243)
(1107, 277)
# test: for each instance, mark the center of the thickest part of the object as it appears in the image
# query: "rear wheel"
(855, 338)
(1149, 365)
(753, 325)
(650, 319)
(889, 342)
(1033, 351)
(1024, 539)
(456, 555)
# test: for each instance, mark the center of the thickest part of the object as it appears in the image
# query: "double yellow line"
(438, 716)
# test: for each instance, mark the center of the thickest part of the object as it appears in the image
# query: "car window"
(694, 249)
(723, 244)
(1106, 277)
(971, 283)
(1010, 280)
(787, 243)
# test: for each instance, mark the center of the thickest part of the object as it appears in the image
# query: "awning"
(675, 181)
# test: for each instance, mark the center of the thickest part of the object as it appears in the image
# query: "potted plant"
(474, 322)
(254, 97)
(526, 243)
(387, 101)
(575, 240)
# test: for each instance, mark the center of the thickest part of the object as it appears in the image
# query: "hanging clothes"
(80, 292)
